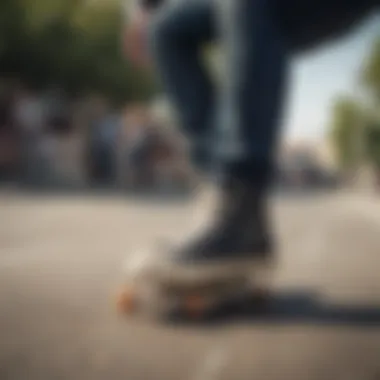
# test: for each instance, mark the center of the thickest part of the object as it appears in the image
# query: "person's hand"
(135, 38)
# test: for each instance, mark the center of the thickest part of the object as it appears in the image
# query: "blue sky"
(319, 77)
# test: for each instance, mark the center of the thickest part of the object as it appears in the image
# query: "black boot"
(236, 241)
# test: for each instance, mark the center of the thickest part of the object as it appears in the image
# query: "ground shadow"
(291, 308)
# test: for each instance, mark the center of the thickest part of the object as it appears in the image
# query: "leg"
(177, 36)
(250, 111)
(218, 264)
(256, 63)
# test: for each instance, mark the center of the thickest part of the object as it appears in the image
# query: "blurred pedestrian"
(105, 128)
(30, 118)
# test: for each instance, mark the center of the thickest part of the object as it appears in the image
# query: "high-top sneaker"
(235, 242)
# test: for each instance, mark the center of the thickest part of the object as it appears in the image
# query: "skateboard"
(145, 293)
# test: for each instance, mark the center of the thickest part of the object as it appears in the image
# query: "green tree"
(373, 143)
(345, 127)
(371, 80)
(355, 128)
(72, 43)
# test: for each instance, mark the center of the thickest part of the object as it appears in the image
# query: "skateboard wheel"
(126, 301)
(195, 306)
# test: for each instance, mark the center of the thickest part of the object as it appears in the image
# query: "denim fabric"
(240, 123)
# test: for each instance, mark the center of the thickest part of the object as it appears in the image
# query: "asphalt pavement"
(60, 265)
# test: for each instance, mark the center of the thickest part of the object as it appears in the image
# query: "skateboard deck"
(145, 293)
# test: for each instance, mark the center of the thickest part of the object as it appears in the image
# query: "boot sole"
(226, 271)
(195, 292)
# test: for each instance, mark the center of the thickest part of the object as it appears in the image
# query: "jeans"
(240, 123)
(246, 111)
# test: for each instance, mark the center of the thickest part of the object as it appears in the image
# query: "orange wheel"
(195, 306)
(126, 301)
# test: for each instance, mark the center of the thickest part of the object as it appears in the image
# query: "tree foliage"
(355, 127)
(373, 143)
(75, 44)
(345, 120)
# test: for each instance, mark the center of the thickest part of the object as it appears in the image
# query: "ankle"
(255, 174)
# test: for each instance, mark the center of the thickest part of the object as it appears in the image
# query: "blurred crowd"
(50, 140)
